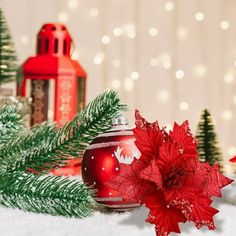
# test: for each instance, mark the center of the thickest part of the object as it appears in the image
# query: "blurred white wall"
(169, 59)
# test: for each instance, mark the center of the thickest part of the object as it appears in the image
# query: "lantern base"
(73, 168)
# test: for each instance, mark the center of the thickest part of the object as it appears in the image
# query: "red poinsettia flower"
(164, 216)
(169, 179)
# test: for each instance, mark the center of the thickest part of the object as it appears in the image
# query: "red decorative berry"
(102, 160)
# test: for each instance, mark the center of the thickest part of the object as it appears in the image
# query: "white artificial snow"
(18, 223)
(15, 222)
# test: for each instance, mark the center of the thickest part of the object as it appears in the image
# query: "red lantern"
(54, 81)
(102, 160)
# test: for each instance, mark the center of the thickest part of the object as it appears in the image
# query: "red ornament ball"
(101, 163)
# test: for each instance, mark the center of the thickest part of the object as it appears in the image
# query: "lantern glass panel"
(81, 93)
(42, 93)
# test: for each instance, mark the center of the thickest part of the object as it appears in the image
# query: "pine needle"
(46, 194)
(11, 123)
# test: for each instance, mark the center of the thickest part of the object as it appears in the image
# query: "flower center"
(174, 177)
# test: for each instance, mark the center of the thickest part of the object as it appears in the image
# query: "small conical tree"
(208, 147)
(8, 65)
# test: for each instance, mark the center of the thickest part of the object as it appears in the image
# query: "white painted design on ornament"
(109, 144)
(122, 205)
(111, 199)
(119, 133)
(125, 159)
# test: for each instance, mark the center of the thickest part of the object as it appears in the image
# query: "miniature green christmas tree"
(208, 147)
(8, 65)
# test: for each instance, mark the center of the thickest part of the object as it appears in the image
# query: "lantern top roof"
(53, 54)
(54, 39)
(52, 28)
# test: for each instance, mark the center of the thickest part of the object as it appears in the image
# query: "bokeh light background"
(169, 59)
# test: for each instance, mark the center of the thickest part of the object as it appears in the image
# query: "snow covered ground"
(18, 223)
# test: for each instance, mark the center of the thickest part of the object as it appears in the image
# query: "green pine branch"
(46, 147)
(11, 123)
(46, 194)
(29, 149)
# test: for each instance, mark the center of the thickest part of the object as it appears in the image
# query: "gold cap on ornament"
(119, 121)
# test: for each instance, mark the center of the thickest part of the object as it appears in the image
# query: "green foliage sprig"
(45, 147)
(46, 194)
